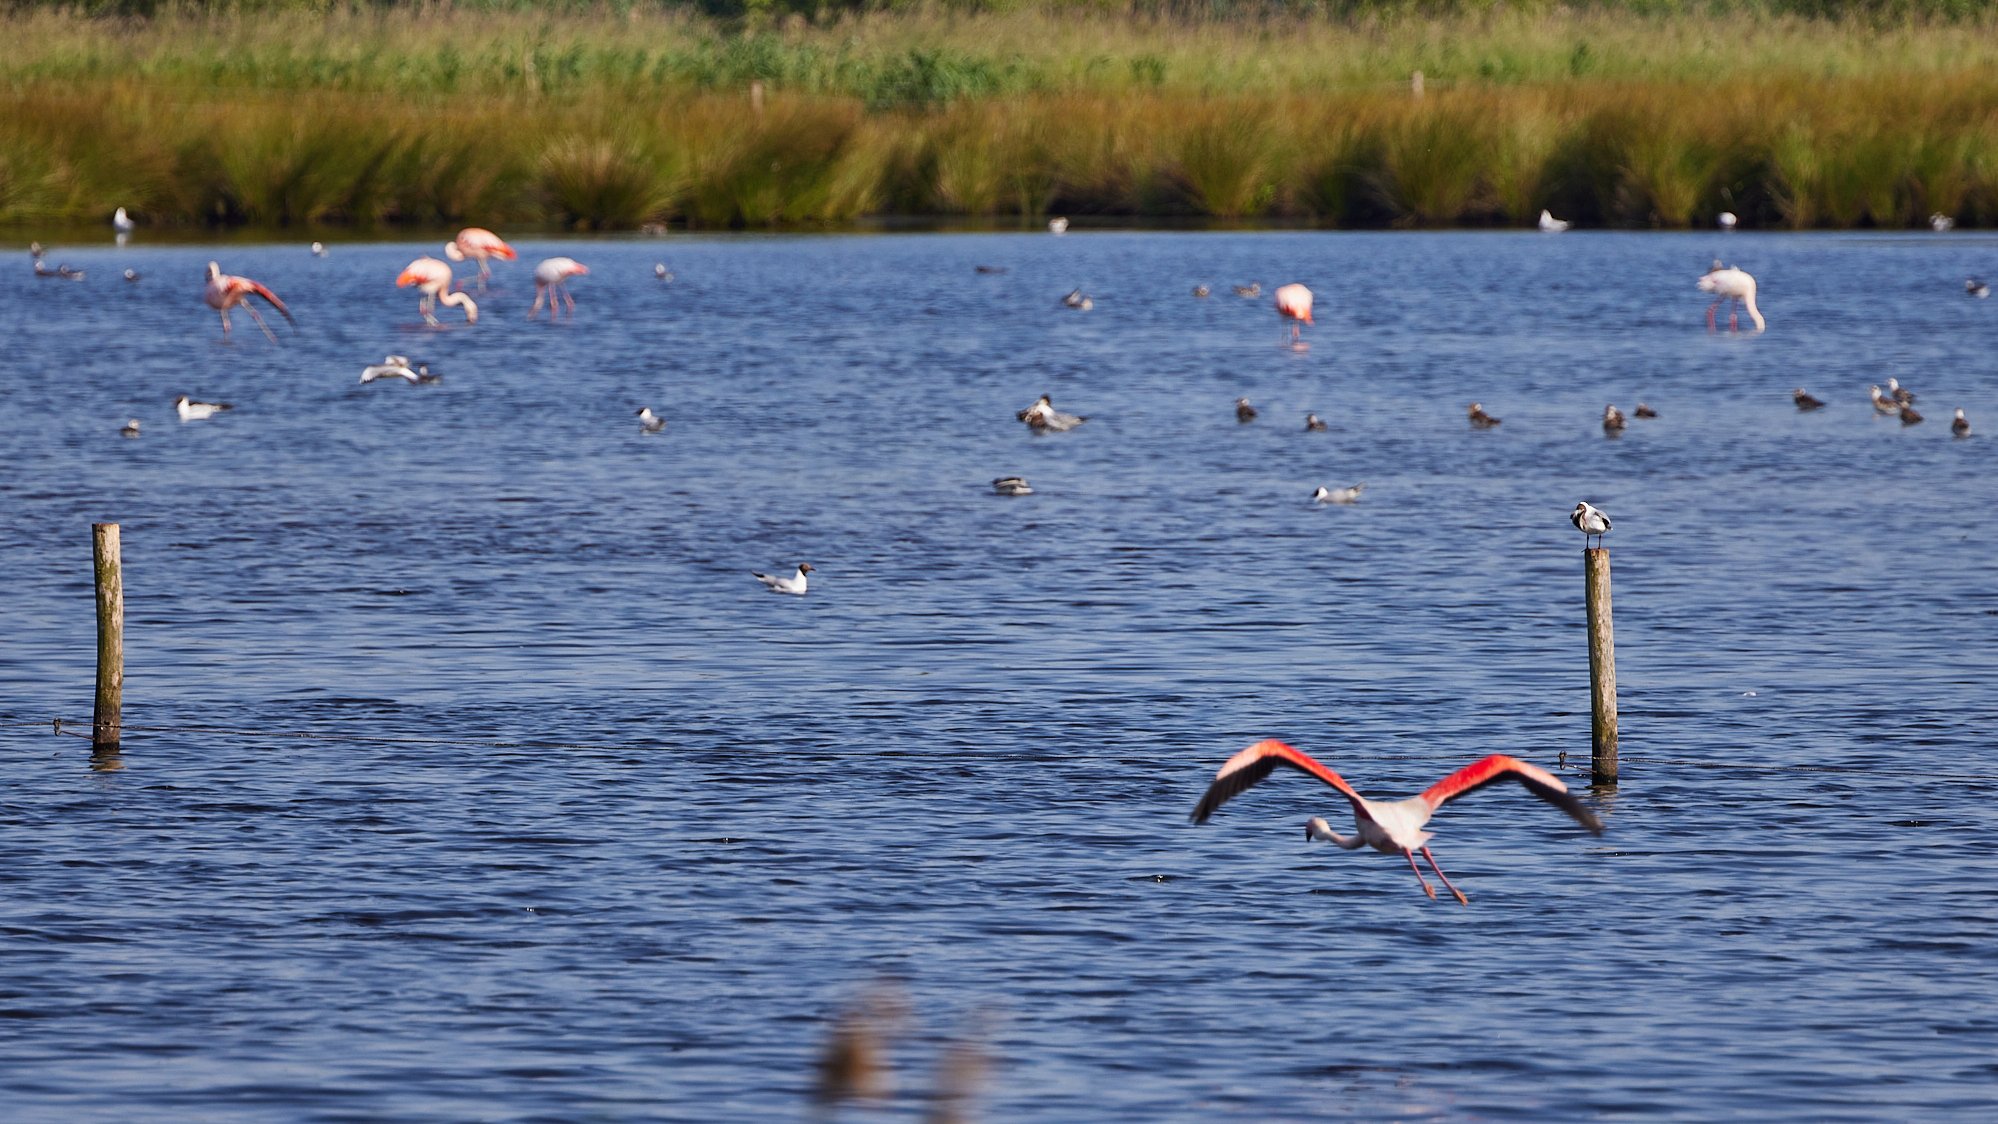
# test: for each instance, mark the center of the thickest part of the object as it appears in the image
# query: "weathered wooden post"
(1602, 667)
(108, 720)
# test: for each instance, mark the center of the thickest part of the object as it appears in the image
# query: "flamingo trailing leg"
(226, 291)
(1389, 827)
(432, 278)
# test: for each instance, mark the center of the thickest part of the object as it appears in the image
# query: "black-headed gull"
(795, 584)
(122, 222)
(1591, 520)
(649, 422)
(1201, 291)
(660, 271)
(1057, 226)
(319, 249)
(198, 411)
(1078, 300)
(131, 275)
(1338, 495)
(1018, 486)
(1042, 416)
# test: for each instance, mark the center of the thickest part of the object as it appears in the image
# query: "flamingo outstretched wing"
(1499, 767)
(250, 286)
(1245, 769)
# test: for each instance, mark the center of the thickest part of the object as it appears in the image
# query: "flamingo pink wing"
(1499, 767)
(1247, 768)
(253, 287)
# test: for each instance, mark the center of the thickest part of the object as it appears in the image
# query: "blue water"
(471, 776)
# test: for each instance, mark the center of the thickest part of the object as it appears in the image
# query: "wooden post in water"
(108, 720)
(1602, 667)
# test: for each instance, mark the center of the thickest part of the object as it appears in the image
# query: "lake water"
(471, 776)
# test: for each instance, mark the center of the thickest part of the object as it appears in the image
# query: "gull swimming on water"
(1899, 393)
(1551, 225)
(319, 249)
(1960, 427)
(1941, 223)
(1591, 520)
(132, 426)
(1726, 220)
(391, 367)
(795, 584)
(1057, 226)
(1077, 300)
(1201, 290)
(1012, 486)
(1338, 495)
(1805, 400)
(1480, 419)
(1972, 287)
(1313, 423)
(1244, 413)
(1251, 290)
(1910, 416)
(1644, 411)
(1612, 420)
(649, 422)
(198, 411)
(1881, 402)
(131, 275)
(1043, 416)
(660, 271)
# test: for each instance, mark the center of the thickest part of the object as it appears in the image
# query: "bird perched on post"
(1390, 827)
(1591, 520)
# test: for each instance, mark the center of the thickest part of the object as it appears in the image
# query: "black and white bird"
(1078, 300)
(122, 222)
(1043, 417)
(1480, 419)
(1805, 400)
(132, 426)
(198, 411)
(391, 367)
(1338, 495)
(1012, 486)
(1551, 225)
(1972, 287)
(1313, 423)
(1591, 520)
(1961, 425)
(1882, 403)
(1644, 411)
(649, 422)
(1612, 420)
(1244, 412)
(794, 585)
(1899, 393)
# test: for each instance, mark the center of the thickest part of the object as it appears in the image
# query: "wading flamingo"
(478, 244)
(1389, 827)
(1730, 284)
(225, 292)
(432, 278)
(551, 279)
(1293, 303)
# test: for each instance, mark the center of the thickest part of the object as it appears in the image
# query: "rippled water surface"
(471, 776)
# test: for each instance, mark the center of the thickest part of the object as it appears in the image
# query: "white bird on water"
(132, 426)
(391, 367)
(1018, 486)
(1972, 287)
(1726, 220)
(122, 222)
(1882, 403)
(198, 411)
(319, 249)
(795, 584)
(1057, 226)
(1338, 495)
(1551, 225)
(1591, 520)
(1727, 284)
(649, 422)
(1941, 223)
(1043, 417)
(1960, 427)
(1390, 827)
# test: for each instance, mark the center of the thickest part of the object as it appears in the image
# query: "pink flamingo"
(479, 244)
(1389, 827)
(551, 279)
(226, 291)
(1730, 284)
(1293, 303)
(432, 278)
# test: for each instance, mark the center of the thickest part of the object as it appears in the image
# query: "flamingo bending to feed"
(551, 279)
(432, 278)
(1389, 827)
(478, 244)
(1731, 284)
(226, 291)
(1293, 303)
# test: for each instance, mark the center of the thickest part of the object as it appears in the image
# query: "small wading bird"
(1293, 303)
(1551, 225)
(1338, 495)
(1961, 426)
(1314, 424)
(1390, 827)
(1043, 417)
(479, 244)
(1480, 419)
(1012, 486)
(795, 584)
(432, 278)
(225, 292)
(1805, 400)
(649, 422)
(1613, 422)
(1244, 413)
(1729, 284)
(1591, 520)
(1972, 287)
(551, 279)
(198, 411)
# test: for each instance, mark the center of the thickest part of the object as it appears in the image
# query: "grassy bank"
(622, 116)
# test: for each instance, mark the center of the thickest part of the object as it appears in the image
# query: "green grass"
(617, 115)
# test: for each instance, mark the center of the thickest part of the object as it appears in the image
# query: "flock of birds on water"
(1389, 827)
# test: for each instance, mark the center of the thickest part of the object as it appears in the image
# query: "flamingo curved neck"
(455, 300)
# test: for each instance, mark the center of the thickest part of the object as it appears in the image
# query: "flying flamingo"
(225, 292)
(551, 279)
(478, 244)
(1293, 303)
(1730, 284)
(433, 279)
(1389, 827)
